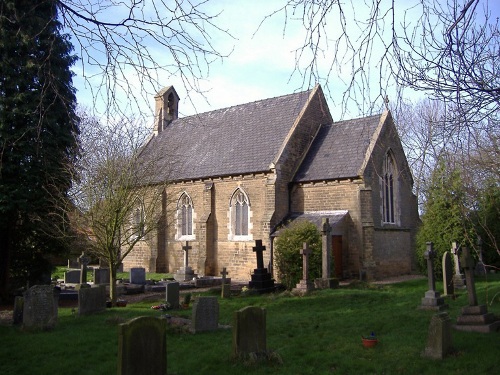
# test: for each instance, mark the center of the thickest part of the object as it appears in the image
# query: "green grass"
(60, 270)
(316, 334)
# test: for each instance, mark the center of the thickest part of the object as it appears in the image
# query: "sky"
(261, 62)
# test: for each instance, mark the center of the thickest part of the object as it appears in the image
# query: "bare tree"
(122, 41)
(119, 202)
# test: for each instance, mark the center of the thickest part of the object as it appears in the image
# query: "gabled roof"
(339, 150)
(236, 140)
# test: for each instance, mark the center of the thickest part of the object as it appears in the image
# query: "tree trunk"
(112, 283)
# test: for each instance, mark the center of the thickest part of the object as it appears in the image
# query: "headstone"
(142, 347)
(17, 314)
(480, 268)
(40, 307)
(262, 280)
(73, 263)
(432, 299)
(205, 314)
(305, 285)
(447, 275)
(439, 343)
(458, 278)
(91, 300)
(84, 260)
(249, 331)
(101, 276)
(185, 273)
(172, 294)
(72, 276)
(138, 275)
(474, 317)
(226, 286)
(326, 238)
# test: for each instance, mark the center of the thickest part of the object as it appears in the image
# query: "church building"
(243, 172)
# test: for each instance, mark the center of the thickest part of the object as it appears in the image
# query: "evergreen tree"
(38, 137)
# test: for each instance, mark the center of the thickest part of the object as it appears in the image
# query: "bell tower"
(166, 108)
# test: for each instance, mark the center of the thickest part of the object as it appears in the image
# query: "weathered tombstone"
(439, 338)
(17, 314)
(474, 317)
(142, 347)
(138, 275)
(91, 300)
(249, 331)
(447, 275)
(480, 268)
(73, 263)
(205, 314)
(226, 287)
(84, 261)
(458, 278)
(101, 276)
(326, 239)
(72, 276)
(172, 294)
(305, 285)
(40, 307)
(185, 273)
(432, 299)
(262, 280)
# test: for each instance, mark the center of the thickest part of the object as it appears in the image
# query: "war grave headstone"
(480, 268)
(17, 313)
(439, 343)
(432, 299)
(101, 276)
(459, 277)
(326, 281)
(172, 294)
(262, 281)
(185, 273)
(226, 286)
(305, 284)
(249, 331)
(138, 275)
(91, 300)
(142, 347)
(72, 277)
(474, 317)
(40, 307)
(449, 289)
(205, 314)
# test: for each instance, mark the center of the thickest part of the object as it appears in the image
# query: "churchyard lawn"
(316, 334)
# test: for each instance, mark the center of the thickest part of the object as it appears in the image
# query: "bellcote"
(166, 108)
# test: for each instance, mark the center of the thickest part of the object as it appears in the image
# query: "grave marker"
(72, 276)
(101, 276)
(304, 285)
(249, 331)
(185, 273)
(432, 299)
(458, 278)
(447, 275)
(138, 275)
(326, 247)
(439, 337)
(91, 300)
(262, 280)
(226, 287)
(17, 314)
(172, 294)
(205, 314)
(84, 261)
(40, 307)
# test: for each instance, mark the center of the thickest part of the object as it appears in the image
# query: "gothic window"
(185, 217)
(389, 189)
(138, 219)
(240, 215)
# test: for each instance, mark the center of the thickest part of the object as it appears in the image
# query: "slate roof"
(338, 150)
(315, 217)
(236, 140)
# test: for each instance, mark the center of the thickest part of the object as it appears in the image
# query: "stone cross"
(186, 248)
(224, 273)
(326, 245)
(430, 254)
(305, 252)
(258, 248)
(468, 265)
(84, 261)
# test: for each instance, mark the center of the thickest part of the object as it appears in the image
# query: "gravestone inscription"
(40, 307)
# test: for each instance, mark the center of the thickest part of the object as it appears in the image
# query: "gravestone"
(458, 278)
(185, 273)
(84, 260)
(142, 347)
(326, 281)
(17, 313)
(262, 280)
(305, 285)
(432, 299)
(91, 300)
(474, 317)
(72, 276)
(138, 275)
(205, 314)
(249, 331)
(172, 294)
(73, 263)
(101, 276)
(439, 338)
(226, 286)
(447, 275)
(40, 307)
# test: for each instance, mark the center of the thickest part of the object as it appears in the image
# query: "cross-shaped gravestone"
(430, 254)
(258, 248)
(224, 273)
(186, 248)
(326, 246)
(468, 265)
(84, 261)
(305, 251)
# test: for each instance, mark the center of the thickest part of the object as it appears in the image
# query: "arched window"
(389, 189)
(185, 216)
(138, 219)
(240, 215)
